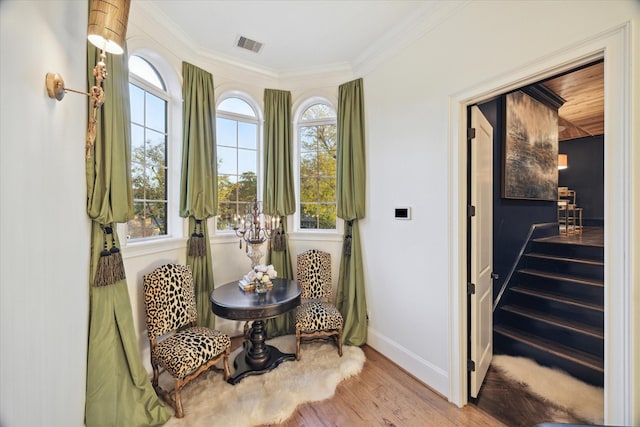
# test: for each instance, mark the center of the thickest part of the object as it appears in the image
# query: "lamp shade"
(563, 161)
(108, 24)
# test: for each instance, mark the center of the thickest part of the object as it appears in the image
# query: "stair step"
(567, 353)
(558, 298)
(559, 322)
(563, 277)
(566, 259)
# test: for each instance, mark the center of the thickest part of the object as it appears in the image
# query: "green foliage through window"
(317, 137)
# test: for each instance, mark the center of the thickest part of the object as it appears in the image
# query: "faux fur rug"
(583, 400)
(271, 397)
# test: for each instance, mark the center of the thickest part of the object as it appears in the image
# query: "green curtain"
(350, 191)
(119, 392)
(199, 182)
(278, 191)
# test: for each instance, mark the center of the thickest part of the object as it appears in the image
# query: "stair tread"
(572, 325)
(585, 359)
(565, 259)
(567, 278)
(557, 297)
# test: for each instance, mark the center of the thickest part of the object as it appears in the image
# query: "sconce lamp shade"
(107, 28)
(563, 161)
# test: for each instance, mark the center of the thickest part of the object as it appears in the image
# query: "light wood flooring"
(384, 395)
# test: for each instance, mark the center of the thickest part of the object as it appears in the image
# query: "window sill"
(149, 247)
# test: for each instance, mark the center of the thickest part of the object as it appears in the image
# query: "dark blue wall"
(585, 174)
(512, 219)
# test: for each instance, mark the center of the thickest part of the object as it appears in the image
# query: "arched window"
(237, 139)
(149, 129)
(317, 174)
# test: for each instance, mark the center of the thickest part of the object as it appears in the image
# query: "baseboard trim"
(433, 377)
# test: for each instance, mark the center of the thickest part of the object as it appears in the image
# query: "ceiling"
(298, 36)
(312, 36)
(583, 112)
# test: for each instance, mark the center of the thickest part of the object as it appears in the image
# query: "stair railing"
(534, 228)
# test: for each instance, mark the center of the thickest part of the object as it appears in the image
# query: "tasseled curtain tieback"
(279, 240)
(110, 266)
(347, 239)
(197, 244)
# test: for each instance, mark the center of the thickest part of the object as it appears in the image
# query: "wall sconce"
(563, 161)
(107, 31)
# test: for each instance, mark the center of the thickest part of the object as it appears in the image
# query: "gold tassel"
(197, 247)
(103, 275)
(347, 240)
(116, 259)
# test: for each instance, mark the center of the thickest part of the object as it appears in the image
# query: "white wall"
(44, 234)
(44, 231)
(410, 266)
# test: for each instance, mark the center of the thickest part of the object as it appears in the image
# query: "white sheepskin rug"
(272, 397)
(583, 400)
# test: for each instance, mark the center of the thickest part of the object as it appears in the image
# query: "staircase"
(553, 309)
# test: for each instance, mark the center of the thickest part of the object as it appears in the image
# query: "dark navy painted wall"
(585, 174)
(512, 219)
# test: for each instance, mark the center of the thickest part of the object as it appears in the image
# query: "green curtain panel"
(199, 182)
(350, 189)
(278, 191)
(119, 392)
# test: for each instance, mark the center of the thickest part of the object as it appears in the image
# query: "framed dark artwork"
(531, 149)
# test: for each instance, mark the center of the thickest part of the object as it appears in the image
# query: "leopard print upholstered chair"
(316, 317)
(178, 345)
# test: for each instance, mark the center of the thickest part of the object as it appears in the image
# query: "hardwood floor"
(385, 395)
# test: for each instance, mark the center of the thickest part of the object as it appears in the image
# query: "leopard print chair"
(178, 346)
(316, 317)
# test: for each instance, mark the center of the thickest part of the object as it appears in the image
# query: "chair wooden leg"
(177, 400)
(225, 363)
(297, 344)
(340, 342)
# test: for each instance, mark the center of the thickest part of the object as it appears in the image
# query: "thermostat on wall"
(403, 213)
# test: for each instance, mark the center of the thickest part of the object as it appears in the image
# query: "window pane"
(308, 163)
(227, 188)
(156, 148)
(156, 184)
(309, 190)
(326, 190)
(318, 111)
(157, 218)
(237, 106)
(308, 215)
(226, 132)
(136, 96)
(247, 161)
(156, 112)
(247, 135)
(247, 187)
(227, 160)
(145, 71)
(137, 142)
(226, 212)
(326, 216)
(138, 180)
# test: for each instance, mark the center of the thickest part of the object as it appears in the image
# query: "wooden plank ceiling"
(583, 112)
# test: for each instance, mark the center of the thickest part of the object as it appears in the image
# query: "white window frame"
(297, 123)
(173, 95)
(259, 121)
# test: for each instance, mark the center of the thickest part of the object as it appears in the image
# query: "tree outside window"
(317, 136)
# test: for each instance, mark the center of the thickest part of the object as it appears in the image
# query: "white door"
(481, 248)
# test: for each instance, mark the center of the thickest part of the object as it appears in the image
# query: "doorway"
(612, 48)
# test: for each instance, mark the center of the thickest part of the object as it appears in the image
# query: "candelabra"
(255, 227)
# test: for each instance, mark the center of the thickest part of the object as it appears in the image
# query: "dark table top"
(231, 302)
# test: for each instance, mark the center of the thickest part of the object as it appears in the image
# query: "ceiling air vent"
(249, 44)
